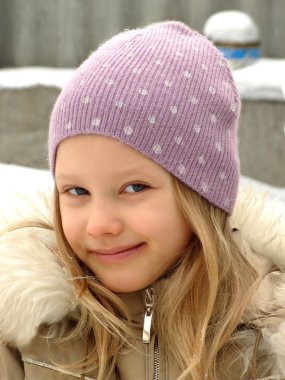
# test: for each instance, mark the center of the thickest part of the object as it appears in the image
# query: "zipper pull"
(149, 302)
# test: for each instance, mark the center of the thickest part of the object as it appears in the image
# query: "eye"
(77, 191)
(135, 188)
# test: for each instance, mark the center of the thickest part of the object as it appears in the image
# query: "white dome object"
(233, 27)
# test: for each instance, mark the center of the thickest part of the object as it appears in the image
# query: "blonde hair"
(211, 287)
(200, 302)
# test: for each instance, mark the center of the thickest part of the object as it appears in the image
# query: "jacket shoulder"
(261, 222)
(34, 288)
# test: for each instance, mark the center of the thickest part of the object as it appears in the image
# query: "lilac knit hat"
(166, 91)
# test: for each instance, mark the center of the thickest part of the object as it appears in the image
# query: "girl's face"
(118, 210)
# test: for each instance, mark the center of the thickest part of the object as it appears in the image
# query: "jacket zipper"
(149, 303)
(156, 360)
(146, 337)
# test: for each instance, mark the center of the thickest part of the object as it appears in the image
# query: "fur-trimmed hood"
(34, 289)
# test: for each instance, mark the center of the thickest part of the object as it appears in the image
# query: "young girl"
(143, 274)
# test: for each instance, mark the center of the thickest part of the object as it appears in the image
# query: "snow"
(231, 27)
(263, 80)
(19, 182)
(16, 78)
(23, 180)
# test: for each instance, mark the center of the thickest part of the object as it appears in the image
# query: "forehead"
(96, 153)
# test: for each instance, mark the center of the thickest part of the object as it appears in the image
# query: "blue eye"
(135, 188)
(77, 191)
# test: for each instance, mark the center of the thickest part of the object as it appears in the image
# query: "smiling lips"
(116, 253)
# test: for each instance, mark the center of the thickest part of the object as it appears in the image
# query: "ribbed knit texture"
(166, 91)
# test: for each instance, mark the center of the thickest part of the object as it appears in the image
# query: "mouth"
(116, 253)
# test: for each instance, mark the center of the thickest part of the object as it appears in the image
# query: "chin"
(129, 287)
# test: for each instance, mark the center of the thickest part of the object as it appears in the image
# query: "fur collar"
(34, 289)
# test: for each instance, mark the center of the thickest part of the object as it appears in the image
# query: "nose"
(104, 218)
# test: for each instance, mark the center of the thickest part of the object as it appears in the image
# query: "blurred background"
(41, 42)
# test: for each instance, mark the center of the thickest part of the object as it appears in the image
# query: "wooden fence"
(62, 33)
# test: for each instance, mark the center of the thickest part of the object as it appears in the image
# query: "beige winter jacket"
(35, 292)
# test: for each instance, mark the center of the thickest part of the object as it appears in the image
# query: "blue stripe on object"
(240, 53)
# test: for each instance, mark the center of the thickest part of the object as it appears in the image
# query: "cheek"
(177, 230)
(71, 228)
(168, 226)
